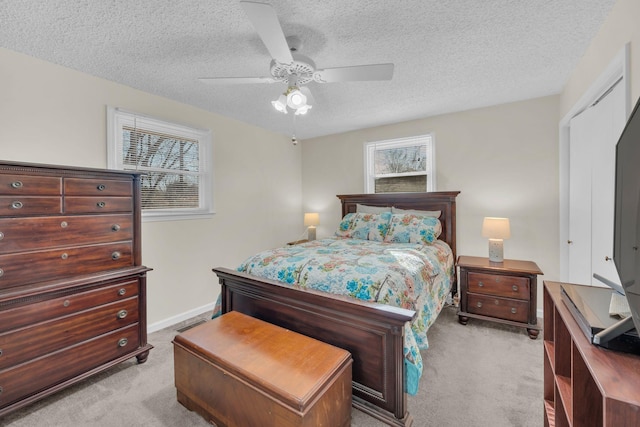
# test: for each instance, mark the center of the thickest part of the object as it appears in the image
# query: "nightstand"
(297, 242)
(503, 292)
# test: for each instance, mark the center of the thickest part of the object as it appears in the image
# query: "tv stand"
(614, 331)
(584, 385)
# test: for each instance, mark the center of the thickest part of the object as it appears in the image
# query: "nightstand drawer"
(502, 308)
(499, 285)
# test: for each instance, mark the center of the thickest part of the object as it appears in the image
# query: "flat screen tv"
(626, 234)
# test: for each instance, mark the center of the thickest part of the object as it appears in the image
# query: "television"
(626, 232)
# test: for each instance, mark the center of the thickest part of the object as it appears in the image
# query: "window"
(400, 165)
(176, 180)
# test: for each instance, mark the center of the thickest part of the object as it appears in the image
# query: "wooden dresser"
(72, 286)
(504, 292)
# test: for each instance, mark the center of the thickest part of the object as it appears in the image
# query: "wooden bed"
(372, 333)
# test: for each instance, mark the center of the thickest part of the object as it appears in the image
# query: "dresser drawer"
(24, 344)
(40, 311)
(502, 308)
(44, 372)
(37, 266)
(499, 285)
(97, 187)
(33, 233)
(28, 205)
(77, 205)
(30, 185)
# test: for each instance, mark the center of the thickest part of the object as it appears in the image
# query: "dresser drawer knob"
(115, 227)
(64, 256)
(0, 352)
(101, 204)
(16, 184)
(16, 205)
(479, 304)
(101, 187)
(66, 303)
(64, 224)
(480, 284)
(122, 342)
(122, 314)
(115, 255)
(1, 235)
(0, 390)
(1, 272)
(514, 310)
(515, 288)
(122, 291)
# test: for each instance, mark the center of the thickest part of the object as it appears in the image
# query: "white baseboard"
(180, 318)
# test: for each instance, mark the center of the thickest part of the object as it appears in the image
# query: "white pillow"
(372, 209)
(435, 214)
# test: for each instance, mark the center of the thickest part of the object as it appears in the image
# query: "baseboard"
(179, 318)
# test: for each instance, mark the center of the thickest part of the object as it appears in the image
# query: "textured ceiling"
(449, 55)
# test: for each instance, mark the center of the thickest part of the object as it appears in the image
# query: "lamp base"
(311, 233)
(496, 250)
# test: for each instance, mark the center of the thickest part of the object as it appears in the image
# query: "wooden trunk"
(240, 371)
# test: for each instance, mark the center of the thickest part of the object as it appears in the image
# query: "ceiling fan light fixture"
(303, 110)
(280, 104)
(296, 99)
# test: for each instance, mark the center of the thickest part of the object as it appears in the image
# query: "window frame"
(371, 147)
(118, 119)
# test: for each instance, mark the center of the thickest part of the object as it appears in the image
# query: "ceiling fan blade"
(235, 80)
(355, 73)
(265, 21)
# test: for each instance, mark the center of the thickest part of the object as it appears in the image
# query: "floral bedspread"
(408, 275)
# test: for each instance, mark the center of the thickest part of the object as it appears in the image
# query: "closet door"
(593, 137)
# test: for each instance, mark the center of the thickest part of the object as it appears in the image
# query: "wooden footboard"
(372, 333)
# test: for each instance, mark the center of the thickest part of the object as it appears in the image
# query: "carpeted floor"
(481, 374)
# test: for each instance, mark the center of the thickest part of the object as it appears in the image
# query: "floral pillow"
(364, 226)
(410, 228)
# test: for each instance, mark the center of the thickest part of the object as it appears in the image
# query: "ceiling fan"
(292, 68)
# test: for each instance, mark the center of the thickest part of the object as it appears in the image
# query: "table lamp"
(311, 220)
(496, 229)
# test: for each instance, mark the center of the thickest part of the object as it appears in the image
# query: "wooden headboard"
(444, 201)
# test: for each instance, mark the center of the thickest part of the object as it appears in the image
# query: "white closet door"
(593, 136)
(581, 143)
(611, 124)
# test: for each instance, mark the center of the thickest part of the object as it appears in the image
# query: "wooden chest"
(72, 287)
(239, 371)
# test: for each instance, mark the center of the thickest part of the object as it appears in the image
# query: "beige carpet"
(478, 375)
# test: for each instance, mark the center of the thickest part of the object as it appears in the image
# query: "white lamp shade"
(496, 228)
(311, 219)
(296, 99)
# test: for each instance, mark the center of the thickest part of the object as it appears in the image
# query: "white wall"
(51, 114)
(503, 159)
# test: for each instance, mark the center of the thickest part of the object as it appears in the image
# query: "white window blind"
(175, 179)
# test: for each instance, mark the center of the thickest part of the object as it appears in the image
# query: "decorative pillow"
(345, 228)
(409, 228)
(372, 226)
(365, 226)
(371, 209)
(435, 214)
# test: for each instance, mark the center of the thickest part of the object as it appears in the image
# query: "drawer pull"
(1, 235)
(115, 255)
(514, 310)
(122, 314)
(16, 205)
(0, 352)
(115, 227)
(479, 304)
(16, 184)
(66, 303)
(515, 288)
(122, 342)
(64, 224)
(1, 272)
(64, 256)
(480, 284)
(122, 291)
(0, 390)
(101, 187)
(101, 204)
